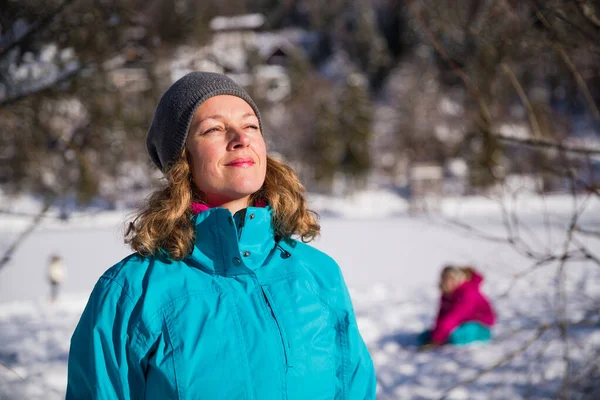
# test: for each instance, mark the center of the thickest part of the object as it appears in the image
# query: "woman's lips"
(241, 162)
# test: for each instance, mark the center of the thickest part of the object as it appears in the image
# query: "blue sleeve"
(357, 379)
(105, 361)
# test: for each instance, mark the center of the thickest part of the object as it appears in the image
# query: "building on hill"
(244, 50)
(426, 187)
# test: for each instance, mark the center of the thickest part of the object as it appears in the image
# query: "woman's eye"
(209, 130)
(252, 127)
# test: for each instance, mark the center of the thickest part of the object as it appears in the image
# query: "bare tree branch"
(514, 226)
(586, 252)
(36, 27)
(558, 48)
(551, 144)
(540, 331)
(478, 233)
(581, 254)
(570, 154)
(470, 86)
(561, 294)
(535, 126)
(474, 90)
(579, 79)
(520, 246)
(589, 35)
(62, 78)
(34, 223)
(588, 11)
(11, 370)
(587, 232)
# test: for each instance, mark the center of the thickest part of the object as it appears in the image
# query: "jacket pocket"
(307, 328)
(277, 318)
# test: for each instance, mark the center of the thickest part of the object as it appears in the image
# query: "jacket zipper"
(270, 304)
(242, 221)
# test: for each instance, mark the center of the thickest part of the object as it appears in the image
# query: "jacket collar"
(228, 244)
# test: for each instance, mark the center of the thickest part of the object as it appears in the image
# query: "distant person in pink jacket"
(465, 315)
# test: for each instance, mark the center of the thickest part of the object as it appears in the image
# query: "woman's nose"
(239, 138)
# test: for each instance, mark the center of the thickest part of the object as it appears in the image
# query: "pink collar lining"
(198, 208)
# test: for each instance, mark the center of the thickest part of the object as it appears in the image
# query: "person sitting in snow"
(465, 315)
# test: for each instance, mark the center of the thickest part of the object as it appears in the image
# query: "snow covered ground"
(390, 260)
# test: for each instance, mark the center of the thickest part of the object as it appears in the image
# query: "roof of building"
(237, 22)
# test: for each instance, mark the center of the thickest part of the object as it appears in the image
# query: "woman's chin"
(246, 187)
(241, 193)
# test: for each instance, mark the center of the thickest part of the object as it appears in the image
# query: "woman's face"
(227, 151)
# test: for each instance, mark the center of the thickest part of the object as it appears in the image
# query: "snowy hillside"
(390, 261)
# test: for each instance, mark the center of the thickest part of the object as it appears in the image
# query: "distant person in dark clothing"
(465, 315)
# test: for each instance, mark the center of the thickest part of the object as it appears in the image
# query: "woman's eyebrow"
(195, 123)
(219, 116)
(214, 116)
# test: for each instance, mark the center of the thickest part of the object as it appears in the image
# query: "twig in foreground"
(11, 370)
(540, 331)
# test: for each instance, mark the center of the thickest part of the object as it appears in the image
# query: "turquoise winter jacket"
(242, 317)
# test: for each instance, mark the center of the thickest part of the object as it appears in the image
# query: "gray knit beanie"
(176, 108)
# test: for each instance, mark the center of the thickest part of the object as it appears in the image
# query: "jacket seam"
(336, 321)
(312, 285)
(174, 358)
(140, 333)
(279, 321)
(244, 354)
(326, 301)
(265, 307)
(113, 280)
(140, 339)
(220, 245)
(342, 330)
(161, 311)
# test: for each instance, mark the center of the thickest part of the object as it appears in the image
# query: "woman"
(218, 301)
(465, 315)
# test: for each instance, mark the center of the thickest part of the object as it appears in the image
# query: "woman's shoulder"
(137, 275)
(324, 269)
(307, 253)
(143, 287)
(126, 272)
(325, 273)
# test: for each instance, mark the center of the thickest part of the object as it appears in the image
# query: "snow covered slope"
(390, 261)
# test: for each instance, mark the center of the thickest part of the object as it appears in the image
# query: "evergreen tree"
(99, 59)
(355, 120)
(326, 145)
(299, 71)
